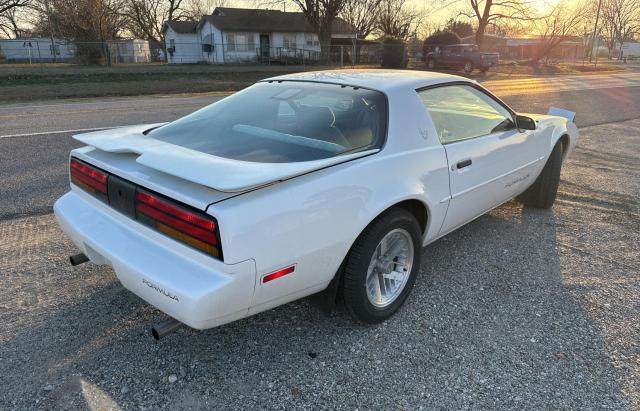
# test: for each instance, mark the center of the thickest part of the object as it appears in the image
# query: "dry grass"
(27, 83)
(23, 82)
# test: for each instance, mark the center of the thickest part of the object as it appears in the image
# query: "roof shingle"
(181, 26)
(261, 20)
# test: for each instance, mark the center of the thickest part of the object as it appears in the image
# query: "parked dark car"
(465, 56)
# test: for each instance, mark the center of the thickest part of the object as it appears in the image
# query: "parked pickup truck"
(465, 56)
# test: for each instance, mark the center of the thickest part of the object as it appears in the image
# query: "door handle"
(464, 163)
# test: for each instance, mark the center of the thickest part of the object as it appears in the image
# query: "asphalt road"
(519, 309)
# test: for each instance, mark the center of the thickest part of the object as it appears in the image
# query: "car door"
(446, 56)
(490, 160)
(455, 59)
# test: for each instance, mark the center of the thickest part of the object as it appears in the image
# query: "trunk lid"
(193, 177)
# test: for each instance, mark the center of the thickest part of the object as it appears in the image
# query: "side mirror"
(525, 123)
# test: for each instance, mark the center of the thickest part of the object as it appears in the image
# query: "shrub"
(394, 53)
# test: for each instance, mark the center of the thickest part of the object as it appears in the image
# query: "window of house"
(289, 41)
(462, 112)
(240, 42)
(172, 43)
(311, 39)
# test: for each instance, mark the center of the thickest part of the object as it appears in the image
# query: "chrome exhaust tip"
(165, 328)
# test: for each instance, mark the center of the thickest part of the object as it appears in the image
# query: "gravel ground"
(518, 309)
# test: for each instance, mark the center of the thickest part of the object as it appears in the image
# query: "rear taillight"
(187, 225)
(89, 178)
(192, 227)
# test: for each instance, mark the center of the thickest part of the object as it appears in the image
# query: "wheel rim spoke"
(389, 268)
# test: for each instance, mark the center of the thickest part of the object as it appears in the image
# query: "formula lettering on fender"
(160, 290)
(516, 181)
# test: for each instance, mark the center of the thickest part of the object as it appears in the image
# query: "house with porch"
(234, 35)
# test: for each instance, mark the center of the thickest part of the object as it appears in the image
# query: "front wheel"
(468, 67)
(382, 266)
(431, 64)
(542, 193)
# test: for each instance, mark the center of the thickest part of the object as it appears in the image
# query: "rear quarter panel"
(312, 221)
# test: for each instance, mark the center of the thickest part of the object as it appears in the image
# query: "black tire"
(542, 193)
(468, 66)
(358, 260)
(431, 63)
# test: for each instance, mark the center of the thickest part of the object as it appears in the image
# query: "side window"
(462, 112)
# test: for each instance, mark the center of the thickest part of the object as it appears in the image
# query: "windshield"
(283, 122)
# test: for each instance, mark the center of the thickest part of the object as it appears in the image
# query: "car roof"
(376, 79)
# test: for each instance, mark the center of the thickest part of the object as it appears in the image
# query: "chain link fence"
(55, 50)
(45, 51)
(334, 55)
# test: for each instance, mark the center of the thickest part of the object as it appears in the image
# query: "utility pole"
(595, 30)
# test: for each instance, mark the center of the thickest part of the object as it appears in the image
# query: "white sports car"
(325, 181)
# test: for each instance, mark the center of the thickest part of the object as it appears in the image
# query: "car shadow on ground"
(491, 323)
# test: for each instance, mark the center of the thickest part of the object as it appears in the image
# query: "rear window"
(283, 122)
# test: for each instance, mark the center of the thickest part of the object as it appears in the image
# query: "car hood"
(218, 173)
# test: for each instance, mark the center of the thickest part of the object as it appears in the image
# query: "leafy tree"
(394, 52)
(461, 28)
(442, 38)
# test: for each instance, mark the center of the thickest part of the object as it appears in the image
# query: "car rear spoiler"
(218, 173)
(569, 115)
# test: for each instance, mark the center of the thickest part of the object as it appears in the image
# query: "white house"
(36, 50)
(182, 42)
(232, 35)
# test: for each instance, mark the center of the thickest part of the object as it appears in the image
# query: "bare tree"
(6, 5)
(9, 20)
(362, 15)
(620, 19)
(89, 23)
(195, 9)
(145, 18)
(563, 21)
(489, 13)
(321, 14)
(397, 19)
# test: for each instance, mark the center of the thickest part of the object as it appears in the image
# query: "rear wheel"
(542, 193)
(468, 67)
(431, 63)
(382, 266)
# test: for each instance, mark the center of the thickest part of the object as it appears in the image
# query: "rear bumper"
(184, 283)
